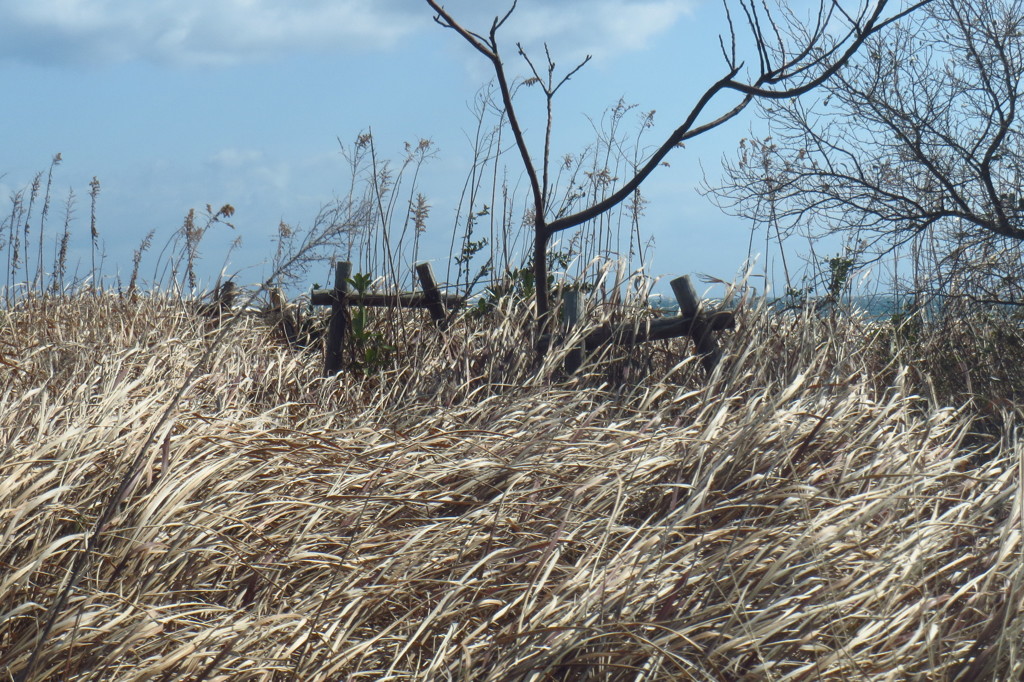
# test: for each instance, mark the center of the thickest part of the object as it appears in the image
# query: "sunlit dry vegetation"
(185, 496)
(832, 505)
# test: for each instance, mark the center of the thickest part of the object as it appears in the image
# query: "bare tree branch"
(918, 138)
(490, 50)
(791, 59)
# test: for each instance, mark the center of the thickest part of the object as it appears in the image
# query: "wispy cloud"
(223, 32)
(602, 28)
(232, 158)
(249, 172)
(203, 32)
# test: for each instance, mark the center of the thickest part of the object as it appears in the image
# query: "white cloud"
(248, 172)
(205, 32)
(218, 32)
(232, 158)
(573, 28)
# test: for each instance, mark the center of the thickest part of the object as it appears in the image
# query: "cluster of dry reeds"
(814, 512)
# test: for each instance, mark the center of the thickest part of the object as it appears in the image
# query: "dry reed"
(467, 515)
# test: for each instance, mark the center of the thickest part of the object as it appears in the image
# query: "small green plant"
(361, 282)
(794, 298)
(371, 353)
(470, 248)
(839, 270)
(520, 285)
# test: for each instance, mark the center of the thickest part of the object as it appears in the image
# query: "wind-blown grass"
(467, 515)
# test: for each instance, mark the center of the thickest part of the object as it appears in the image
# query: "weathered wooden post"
(700, 328)
(282, 317)
(340, 297)
(223, 298)
(339, 319)
(432, 294)
(570, 318)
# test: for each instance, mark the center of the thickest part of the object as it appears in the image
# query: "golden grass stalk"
(466, 514)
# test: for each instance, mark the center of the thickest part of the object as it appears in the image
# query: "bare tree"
(916, 142)
(787, 58)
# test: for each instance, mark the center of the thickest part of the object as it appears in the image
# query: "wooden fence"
(341, 297)
(691, 321)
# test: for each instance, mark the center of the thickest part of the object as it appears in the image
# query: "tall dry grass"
(815, 513)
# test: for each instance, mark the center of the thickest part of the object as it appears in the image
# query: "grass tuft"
(816, 511)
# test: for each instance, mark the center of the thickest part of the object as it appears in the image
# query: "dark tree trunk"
(540, 274)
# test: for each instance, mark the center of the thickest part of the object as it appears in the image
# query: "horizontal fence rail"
(341, 297)
(691, 321)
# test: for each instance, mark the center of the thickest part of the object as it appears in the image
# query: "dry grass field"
(841, 502)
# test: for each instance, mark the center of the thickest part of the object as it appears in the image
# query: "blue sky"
(178, 104)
